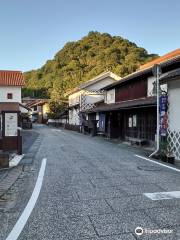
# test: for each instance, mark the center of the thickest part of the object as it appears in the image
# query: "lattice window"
(173, 139)
(86, 105)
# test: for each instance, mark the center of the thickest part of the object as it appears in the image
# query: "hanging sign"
(163, 109)
(11, 124)
(102, 119)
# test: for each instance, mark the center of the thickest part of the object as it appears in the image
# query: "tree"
(82, 60)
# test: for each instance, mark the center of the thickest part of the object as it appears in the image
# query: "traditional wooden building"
(39, 109)
(129, 110)
(172, 120)
(86, 96)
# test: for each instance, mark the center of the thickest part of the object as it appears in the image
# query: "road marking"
(158, 163)
(163, 195)
(15, 161)
(18, 227)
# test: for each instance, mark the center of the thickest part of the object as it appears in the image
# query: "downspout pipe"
(157, 121)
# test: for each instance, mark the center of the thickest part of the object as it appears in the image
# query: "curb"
(15, 160)
(10, 178)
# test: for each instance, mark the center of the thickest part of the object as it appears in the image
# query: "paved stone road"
(92, 189)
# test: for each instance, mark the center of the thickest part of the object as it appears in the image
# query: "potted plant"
(163, 149)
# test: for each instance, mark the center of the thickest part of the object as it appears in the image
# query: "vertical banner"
(102, 118)
(163, 110)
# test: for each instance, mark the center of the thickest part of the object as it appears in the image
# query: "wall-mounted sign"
(11, 124)
(163, 107)
(130, 122)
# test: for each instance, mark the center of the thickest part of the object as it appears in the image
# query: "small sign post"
(11, 124)
(11, 136)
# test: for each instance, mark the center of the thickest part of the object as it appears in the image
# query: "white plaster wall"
(16, 91)
(74, 98)
(63, 121)
(101, 84)
(94, 98)
(74, 117)
(110, 96)
(174, 105)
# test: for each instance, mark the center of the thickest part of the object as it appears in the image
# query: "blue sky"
(32, 31)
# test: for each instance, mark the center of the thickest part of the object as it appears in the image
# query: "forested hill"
(79, 61)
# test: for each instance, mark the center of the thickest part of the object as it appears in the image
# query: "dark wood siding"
(131, 90)
(146, 124)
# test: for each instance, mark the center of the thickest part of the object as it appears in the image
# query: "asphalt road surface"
(92, 189)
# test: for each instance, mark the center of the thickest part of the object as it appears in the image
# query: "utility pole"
(157, 73)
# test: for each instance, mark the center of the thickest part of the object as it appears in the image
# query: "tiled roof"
(161, 59)
(148, 70)
(98, 78)
(24, 106)
(11, 78)
(38, 102)
(171, 75)
(94, 80)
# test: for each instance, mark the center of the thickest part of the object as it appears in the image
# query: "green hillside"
(79, 61)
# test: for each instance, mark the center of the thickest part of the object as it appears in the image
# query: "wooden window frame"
(9, 96)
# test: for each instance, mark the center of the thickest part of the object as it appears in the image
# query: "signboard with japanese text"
(163, 110)
(11, 124)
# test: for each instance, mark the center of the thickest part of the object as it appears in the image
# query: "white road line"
(163, 195)
(17, 229)
(158, 163)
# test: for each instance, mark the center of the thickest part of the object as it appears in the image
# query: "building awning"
(137, 103)
(14, 106)
(9, 106)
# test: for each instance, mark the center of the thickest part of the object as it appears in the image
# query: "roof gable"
(38, 102)
(94, 81)
(99, 78)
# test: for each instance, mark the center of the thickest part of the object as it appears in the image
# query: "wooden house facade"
(39, 109)
(129, 110)
(171, 117)
(86, 96)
